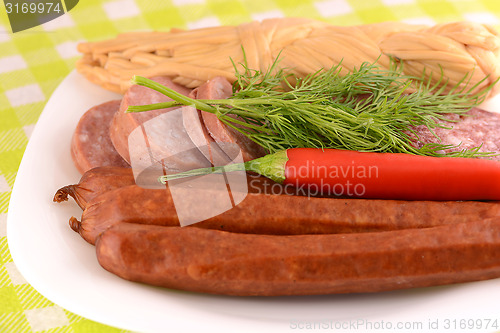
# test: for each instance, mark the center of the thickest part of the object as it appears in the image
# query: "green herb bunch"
(369, 109)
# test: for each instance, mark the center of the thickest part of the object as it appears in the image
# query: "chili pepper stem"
(271, 166)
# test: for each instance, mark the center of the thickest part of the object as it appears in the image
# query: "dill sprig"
(369, 109)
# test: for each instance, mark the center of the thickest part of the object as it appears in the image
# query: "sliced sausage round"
(91, 145)
(220, 88)
(124, 123)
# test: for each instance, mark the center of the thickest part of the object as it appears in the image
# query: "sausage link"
(278, 214)
(219, 262)
(94, 182)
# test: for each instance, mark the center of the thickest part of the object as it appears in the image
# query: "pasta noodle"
(304, 46)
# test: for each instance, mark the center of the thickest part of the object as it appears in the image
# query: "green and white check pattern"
(34, 62)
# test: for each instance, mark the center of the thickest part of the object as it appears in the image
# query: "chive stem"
(271, 166)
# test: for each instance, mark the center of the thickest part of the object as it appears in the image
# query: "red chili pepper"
(375, 175)
(393, 176)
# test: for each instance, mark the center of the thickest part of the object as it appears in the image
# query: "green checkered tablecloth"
(35, 61)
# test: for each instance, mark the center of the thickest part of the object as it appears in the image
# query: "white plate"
(62, 267)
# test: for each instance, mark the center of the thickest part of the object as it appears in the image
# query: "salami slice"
(477, 128)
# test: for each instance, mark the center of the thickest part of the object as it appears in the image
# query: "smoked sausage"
(220, 262)
(94, 182)
(272, 214)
